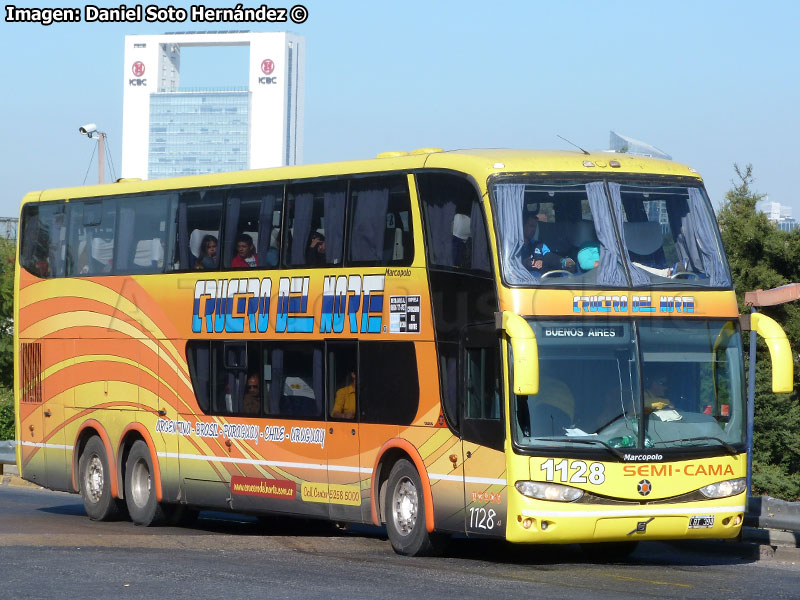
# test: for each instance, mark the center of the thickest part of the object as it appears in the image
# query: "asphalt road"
(49, 549)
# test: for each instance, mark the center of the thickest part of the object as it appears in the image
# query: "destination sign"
(584, 331)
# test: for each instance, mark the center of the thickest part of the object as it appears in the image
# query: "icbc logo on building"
(267, 67)
(138, 71)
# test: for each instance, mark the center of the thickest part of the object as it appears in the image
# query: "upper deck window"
(43, 239)
(315, 223)
(90, 240)
(670, 235)
(557, 232)
(607, 234)
(456, 229)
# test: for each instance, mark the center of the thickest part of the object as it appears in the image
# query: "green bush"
(6, 415)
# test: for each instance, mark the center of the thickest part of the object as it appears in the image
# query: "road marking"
(650, 581)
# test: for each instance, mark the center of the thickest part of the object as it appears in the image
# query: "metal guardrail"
(8, 452)
(770, 513)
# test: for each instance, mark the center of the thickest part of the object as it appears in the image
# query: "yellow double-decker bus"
(538, 346)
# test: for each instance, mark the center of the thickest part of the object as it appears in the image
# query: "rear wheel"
(405, 514)
(95, 482)
(140, 490)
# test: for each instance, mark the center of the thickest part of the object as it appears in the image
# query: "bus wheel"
(95, 482)
(140, 489)
(405, 514)
(609, 551)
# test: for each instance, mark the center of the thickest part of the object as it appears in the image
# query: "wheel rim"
(140, 483)
(94, 479)
(405, 503)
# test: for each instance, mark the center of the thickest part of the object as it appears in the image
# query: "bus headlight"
(723, 489)
(548, 491)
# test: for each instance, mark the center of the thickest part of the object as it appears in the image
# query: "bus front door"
(482, 431)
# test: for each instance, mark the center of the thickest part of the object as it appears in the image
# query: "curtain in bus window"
(638, 276)
(141, 234)
(301, 227)
(91, 237)
(127, 220)
(58, 240)
(266, 256)
(509, 198)
(183, 236)
(679, 222)
(231, 226)
(29, 233)
(705, 240)
(369, 225)
(318, 378)
(334, 226)
(276, 388)
(440, 223)
(480, 247)
(199, 362)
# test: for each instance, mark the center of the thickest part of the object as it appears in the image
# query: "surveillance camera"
(88, 129)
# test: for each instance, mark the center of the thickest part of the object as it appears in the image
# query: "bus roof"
(480, 163)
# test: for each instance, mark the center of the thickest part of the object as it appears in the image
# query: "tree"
(7, 259)
(7, 254)
(763, 257)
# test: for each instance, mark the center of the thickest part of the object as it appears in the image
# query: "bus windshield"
(611, 234)
(631, 385)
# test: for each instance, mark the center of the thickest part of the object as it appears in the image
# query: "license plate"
(701, 522)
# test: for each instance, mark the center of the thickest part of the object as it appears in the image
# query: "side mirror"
(779, 351)
(525, 353)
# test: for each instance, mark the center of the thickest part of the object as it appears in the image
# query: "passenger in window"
(655, 392)
(536, 256)
(554, 411)
(208, 253)
(298, 396)
(251, 401)
(589, 256)
(315, 254)
(344, 405)
(245, 252)
(41, 265)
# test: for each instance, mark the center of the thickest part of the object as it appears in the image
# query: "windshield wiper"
(733, 451)
(619, 454)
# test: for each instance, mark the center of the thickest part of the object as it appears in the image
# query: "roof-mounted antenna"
(571, 144)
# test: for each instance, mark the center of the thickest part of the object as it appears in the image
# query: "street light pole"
(88, 130)
(101, 156)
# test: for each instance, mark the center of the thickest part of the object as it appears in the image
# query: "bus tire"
(609, 551)
(405, 514)
(95, 482)
(140, 487)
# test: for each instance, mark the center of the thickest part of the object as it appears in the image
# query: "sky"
(711, 83)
